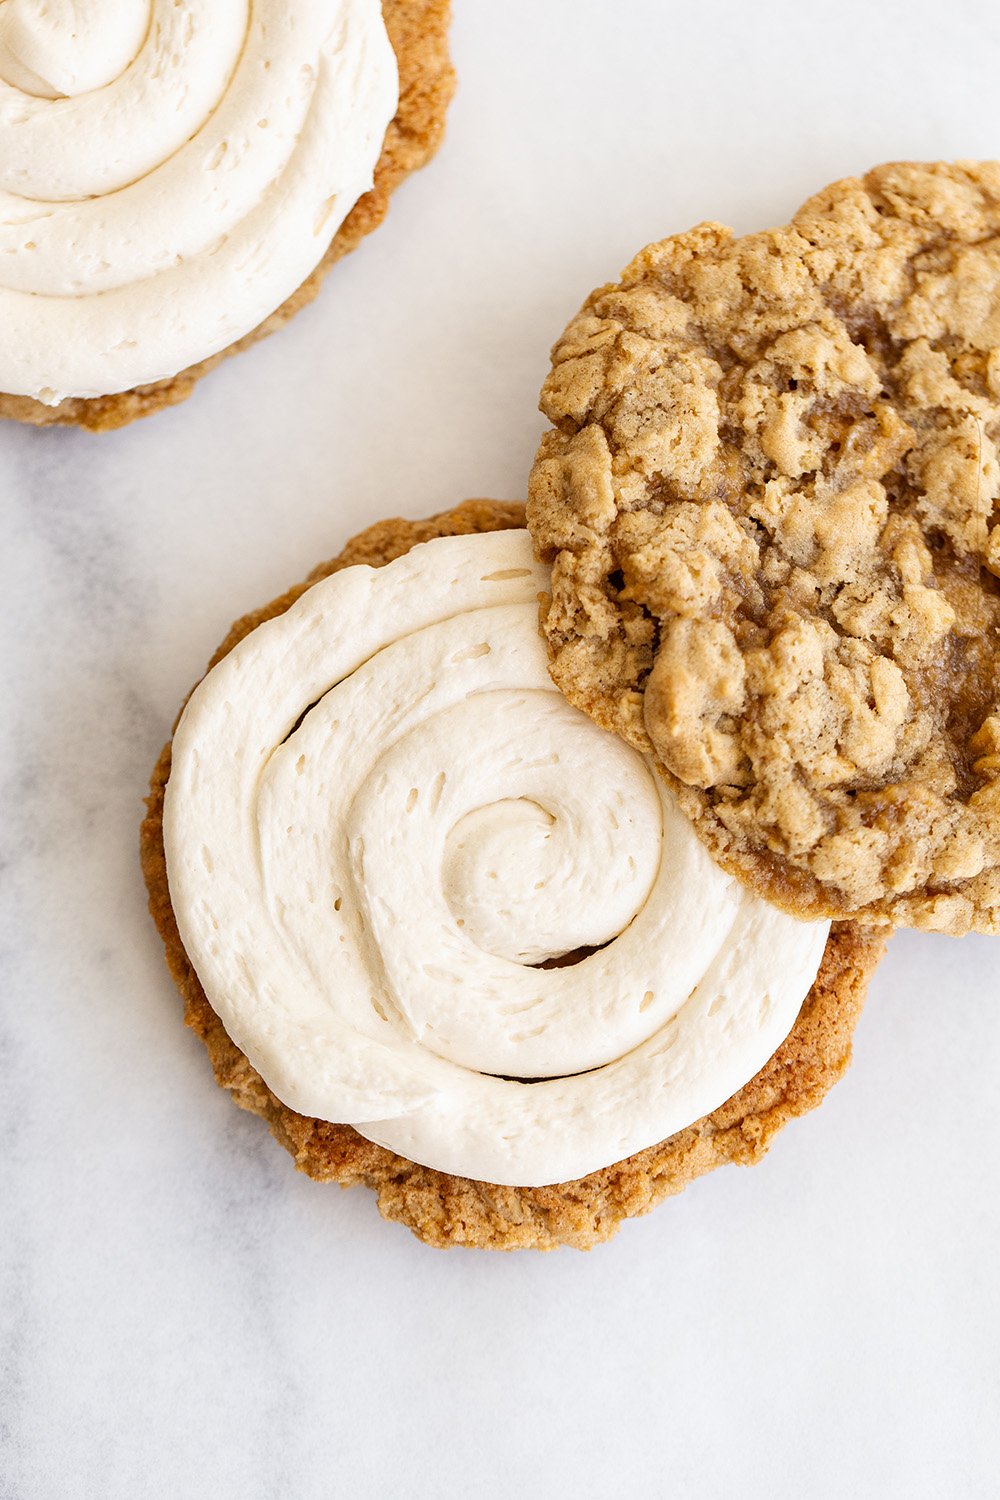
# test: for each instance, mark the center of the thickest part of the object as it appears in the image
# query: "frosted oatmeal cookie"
(448, 938)
(181, 177)
(769, 497)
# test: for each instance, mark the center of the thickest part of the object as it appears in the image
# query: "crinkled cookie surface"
(770, 497)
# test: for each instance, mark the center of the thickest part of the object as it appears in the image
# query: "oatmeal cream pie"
(769, 498)
(449, 937)
(177, 178)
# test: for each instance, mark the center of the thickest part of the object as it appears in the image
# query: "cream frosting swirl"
(170, 173)
(382, 817)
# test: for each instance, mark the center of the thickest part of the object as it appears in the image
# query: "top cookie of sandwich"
(770, 501)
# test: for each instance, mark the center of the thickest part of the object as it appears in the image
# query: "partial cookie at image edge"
(766, 499)
(418, 31)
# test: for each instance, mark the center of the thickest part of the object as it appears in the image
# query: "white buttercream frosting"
(382, 816)
(170, 172)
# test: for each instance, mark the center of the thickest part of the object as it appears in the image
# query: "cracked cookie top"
(770, 501)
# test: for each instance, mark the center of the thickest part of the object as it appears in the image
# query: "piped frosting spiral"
(171, 173)
(383, 821)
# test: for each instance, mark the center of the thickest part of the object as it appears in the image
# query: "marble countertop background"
(180, 1313)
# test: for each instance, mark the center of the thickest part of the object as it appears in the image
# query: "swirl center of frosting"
(507, 866)
(59, 48)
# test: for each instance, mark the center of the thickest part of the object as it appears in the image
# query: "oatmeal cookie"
(418, 31)
(770, 502)
(444, 1210)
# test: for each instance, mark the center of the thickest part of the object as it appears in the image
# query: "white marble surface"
(180, 1313)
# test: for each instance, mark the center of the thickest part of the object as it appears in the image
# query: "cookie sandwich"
(177, 178)
(769, 499)
(450, 938)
